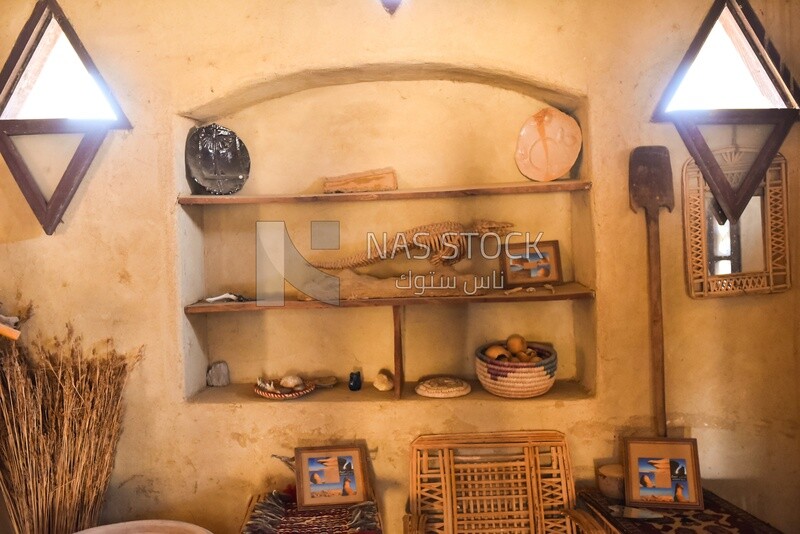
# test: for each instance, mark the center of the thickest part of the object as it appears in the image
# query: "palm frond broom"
(60, 422)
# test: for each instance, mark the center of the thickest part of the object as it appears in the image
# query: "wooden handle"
(10, 333)
(656, 321)
(399, 373)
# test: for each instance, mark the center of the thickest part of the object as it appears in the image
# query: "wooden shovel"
(650, 183)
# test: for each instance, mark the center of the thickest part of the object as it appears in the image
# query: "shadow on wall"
(739, 491)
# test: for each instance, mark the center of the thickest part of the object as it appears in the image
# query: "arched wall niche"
(567, 100)
(289, 122)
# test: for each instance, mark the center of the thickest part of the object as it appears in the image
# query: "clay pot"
(611, 481)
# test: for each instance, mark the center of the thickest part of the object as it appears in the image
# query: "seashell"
(514, 359)
(516, 343)
(495, 351)
(292, 382)
(536, 359)
(383, 381)
(268, 385)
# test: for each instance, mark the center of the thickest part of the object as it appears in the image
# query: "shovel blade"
(650, 179)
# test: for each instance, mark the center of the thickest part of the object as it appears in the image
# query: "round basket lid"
(443, 387)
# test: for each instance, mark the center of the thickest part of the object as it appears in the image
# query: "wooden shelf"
(510, 188)
(243, 393)
(237, 394)
(568, 291)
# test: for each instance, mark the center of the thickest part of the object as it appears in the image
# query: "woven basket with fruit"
(516, 369)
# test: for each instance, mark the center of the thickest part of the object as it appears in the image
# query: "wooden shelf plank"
(509, 188)
(568, 291)
(237, 394)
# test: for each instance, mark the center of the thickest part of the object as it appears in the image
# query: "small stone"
(384, 381)
(218, 374)
(325, 381)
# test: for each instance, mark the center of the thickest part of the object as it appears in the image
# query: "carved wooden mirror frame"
(775, 276)
(49, 212)
(733, 201)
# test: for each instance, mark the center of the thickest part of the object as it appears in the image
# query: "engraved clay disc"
(443, 387)
(549, 143)
(217, 162)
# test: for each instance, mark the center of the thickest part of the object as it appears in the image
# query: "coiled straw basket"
(517, 380)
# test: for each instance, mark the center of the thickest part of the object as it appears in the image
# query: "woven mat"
(265, 518)
(719, 517)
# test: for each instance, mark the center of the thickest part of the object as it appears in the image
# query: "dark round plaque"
(217, 162)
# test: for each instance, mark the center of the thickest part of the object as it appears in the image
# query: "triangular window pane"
(726, 74)
(56, 85)
(747, 140)
(47, 157)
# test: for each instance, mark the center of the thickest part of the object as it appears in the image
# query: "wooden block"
(374, 180)
(10, 333)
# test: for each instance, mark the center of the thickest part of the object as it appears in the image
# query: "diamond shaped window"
(50, 85)
(731, 75)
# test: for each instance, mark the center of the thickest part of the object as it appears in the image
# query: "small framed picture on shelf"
(662, 473)
(528, 264)
(331, 476)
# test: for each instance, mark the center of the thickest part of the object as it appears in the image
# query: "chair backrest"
(510, 482)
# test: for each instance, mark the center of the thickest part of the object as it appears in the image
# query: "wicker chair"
(509, 482)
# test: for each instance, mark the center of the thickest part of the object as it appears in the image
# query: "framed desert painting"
(523, 264)
(331, 476)
(662, 473)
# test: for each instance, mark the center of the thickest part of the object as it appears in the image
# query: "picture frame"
(522, 266)
(331, 476)
(662, 473)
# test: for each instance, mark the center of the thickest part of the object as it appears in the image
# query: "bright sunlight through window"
(56, 84)
(726, 74)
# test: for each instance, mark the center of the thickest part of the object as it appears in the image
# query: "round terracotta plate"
(549, 143)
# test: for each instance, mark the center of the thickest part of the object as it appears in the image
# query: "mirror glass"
(727, 258)
(738, 247)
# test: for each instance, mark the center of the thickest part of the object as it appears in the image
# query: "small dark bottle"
(355, 381)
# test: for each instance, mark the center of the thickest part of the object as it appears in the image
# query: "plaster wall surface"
(113, 269)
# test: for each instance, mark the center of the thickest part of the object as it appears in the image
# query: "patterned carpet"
(719, 517)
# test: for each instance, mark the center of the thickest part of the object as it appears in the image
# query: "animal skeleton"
(444, 243)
